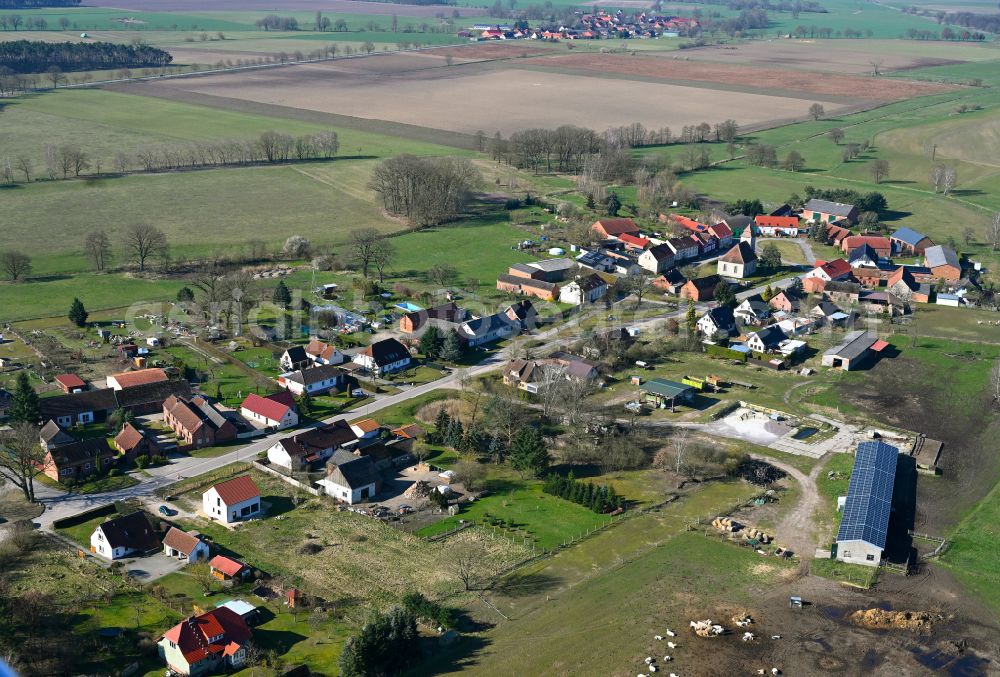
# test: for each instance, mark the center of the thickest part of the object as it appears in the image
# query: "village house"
(827, 211)
(146, 399)
(700, 289)
(294, 358)
(311, 447)
(884, 302)
(52, 436)
(657, 259)
(856, 351)
(881, 245)
(608, 342)
(707, 244)
(863, 256)
(444, 316)
(670, 282)
(752, 310)
(828, 313)
(777, 226)
(186, 546)
(321, 352)
(784, 301)
(683, 248)
(79, 408)
(572, 367)
(367, 428)
(615, 227)
(902, 284)
(232, 501)
(634, 242)
(70, 383)
(315, 381)
(909, 241)
(843, 292)
(717, 321)
(585, 289)
(129, 379)
(197, 423)
(739, 262)
(794, 326)
(133, 442)
(384, 357)
(482, 330)
(596, 260)
(274, 411)
(350, 478)
(214, 641)
(526, 375)
(835, 234)
(526, 286)
(78, 459)
(723, 233)
(766, 340)
(829, 271)
(944, 263)
(124, 536)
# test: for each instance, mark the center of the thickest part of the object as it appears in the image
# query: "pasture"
(467, 98)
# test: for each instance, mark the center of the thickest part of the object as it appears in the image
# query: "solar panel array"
(869, 495)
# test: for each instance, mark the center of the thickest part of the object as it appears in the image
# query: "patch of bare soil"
(761, 79)
(880, 619)
(492, 50)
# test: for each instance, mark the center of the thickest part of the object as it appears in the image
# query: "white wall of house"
(291, 418)
(217, 509)
(278, 456)
(735, 270)
(346, 494)
(368, 363)
(656, 266)
(99, 546)
(859, 552)
(199, 553)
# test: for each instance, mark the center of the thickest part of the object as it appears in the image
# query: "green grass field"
(972, 552)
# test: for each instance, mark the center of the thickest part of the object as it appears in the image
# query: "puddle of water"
(871, 660)
(969, 666)
(804, 433)
(935, 660)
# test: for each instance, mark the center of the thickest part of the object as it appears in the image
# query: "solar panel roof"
(869, 495)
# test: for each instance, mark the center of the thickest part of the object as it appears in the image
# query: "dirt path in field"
(796, 529)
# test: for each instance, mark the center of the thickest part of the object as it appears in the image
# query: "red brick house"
(526, 286)
(78, 459)
(196, 422)
(701, 288)
(134, 442)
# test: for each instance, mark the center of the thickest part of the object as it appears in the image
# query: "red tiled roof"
(366, 425)
(237, 490)
(182, 541)
(690, 224)
(266, 407)
(721, 231)
(128, 379)
(284, 397)
(836, 268)
(616, 227)
(873, 241)
(777, 221)
(229, 567)
(879, 346)
(129, 438)
(628, 238)
(192, 635)
(70, 381)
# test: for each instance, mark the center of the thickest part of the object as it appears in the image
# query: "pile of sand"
(417, 490)
(877, 619)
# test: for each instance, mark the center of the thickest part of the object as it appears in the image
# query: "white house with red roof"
(233, 500)
(274, 411)
(215, 641)
(777, 226)
(830, 271)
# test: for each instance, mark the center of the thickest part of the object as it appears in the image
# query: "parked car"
(358, 392)
(167, 512)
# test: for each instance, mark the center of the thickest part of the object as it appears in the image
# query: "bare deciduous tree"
(22, 458)
(15, 265)
(24, 164)
(382, 255)
(994, 232)
(364, 245)
(143, 242)
(98, 247)
(879, 169)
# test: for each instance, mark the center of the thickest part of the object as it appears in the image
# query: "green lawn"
(96, 485)
(547, 521)
(972, 553)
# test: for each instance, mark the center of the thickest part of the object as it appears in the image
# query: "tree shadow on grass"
(525, 586)
(894, 215)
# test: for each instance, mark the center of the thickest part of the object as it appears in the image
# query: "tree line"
(27, 56)
(37, 4)
(598, 497)
(70, 160)
(273, 22)
(425, 191)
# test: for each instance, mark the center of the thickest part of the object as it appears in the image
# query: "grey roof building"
(863, 529)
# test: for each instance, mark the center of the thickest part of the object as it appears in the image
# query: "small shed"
(663, 393)
(293, 597)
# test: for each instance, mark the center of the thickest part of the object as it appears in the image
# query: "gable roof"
(192, 635)
(665, 388)
(771, 221)
(616, 226)
(481, 326)
(862, 252)
(130, 531)
(356, 471)
(721, 316)
(237, 490)
(721, 230)
(552, 265)
(78, 403)
(527, 282)
(591, 282)
(81, 451)
(869, 494)
(320, 372)
(265, 406)
(939, 255)
(706, 283)
(908, 236)
(853, 345)
(741, 253)
(296, 354)
(685, 242)
(129, 438)
(70, 381)
(836, 268)
(183, 541)
(755, 303)
(770, 336)
(634, 240)
(661, 252)
(53, 435)
(150, 393)
(828, 207)
(128, 379)
(874, 241)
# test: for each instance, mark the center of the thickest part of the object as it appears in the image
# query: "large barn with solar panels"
(862, 535)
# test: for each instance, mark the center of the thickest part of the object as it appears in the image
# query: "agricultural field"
(469, 98)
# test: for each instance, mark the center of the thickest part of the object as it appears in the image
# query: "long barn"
(862, 535)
